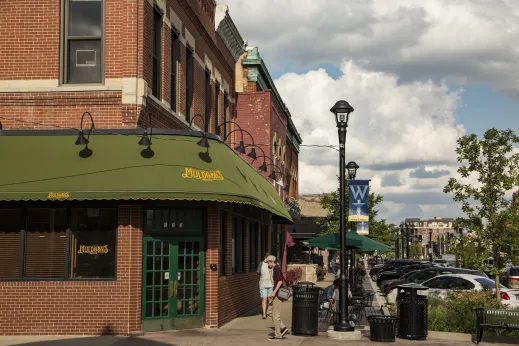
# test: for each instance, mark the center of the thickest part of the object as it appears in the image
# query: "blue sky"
(401, 64)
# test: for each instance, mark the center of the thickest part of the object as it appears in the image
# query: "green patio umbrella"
(353, 241)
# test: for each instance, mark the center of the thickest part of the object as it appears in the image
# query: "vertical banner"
(359, 201)
(363, 228)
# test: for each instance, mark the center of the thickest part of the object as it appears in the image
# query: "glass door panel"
(189, 277)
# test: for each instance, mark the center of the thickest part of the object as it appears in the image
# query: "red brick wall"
(236, 293)
(81, 308)
(31, 33)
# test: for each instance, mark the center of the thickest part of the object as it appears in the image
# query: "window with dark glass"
(216, 106)
(253, 263)
(189, 82)
(243, 245)
(175, 51)
(83, 47)
(93, 243)
(10, 243)
(223, 243)
(57, 243)
(234, 252)
(157, 53)
(238, 245)
(225, 108)
(46, 243)
(207, 100)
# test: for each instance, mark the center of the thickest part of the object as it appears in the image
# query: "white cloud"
(398, 59)
(394, 125)
(465, 40)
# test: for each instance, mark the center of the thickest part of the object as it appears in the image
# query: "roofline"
(258, 62)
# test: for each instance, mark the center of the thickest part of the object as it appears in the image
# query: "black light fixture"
(263, 166)
(287, 187)
(272, 175)
(342, 110)
(145, 141)
(240, 148)
(204, 142)
(82, 140)
(352, 169)
(252, 154)
(1, 126)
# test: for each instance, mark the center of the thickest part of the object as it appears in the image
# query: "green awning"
(353, 240)
(43, 167)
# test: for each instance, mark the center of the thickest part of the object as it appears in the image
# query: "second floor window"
(157, 53)
(189, 82)
(207, 100)
(83, 46)
(175, 46)
(216, 105)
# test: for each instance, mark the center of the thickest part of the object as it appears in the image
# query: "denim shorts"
(265, 292)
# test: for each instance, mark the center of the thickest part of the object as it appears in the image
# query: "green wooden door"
(173, 282)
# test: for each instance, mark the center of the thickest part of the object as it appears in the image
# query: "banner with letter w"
(359, 201)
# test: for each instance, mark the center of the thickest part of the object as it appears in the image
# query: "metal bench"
(495, 319)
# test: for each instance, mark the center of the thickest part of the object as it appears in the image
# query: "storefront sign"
(92, 250)
(58, 195)
(193, 173)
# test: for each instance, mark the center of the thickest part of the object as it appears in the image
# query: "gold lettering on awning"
(192, 173)
(58, 195)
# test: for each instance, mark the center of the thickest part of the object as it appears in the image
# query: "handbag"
(284, 292)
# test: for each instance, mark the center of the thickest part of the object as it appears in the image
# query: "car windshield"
(487, 283)
(406, 276)
(440, 261)
(514, 271)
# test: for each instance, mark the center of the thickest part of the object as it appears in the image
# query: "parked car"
(443, 284)
(512, 277)
(384, 284)
(440, 262)
(390, 265)
(424, 275)
(392, 275)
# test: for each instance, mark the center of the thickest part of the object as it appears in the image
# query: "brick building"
(107, 236)
(262, 113)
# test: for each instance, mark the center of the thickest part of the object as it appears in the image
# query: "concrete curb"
(381, 301)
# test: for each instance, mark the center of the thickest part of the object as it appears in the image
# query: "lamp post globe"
(352, 169)
(341, 110)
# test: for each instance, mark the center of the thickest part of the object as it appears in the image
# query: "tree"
(293, 207)
(379, 230)
(489, 212)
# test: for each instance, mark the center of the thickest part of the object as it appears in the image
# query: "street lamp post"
(342, 110)
(352, 173)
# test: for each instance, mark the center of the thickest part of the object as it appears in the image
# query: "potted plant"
(320, 273)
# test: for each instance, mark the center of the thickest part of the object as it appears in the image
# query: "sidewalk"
(248, 330)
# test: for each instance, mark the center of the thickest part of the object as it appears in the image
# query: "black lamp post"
(352, 167)
(342, 110)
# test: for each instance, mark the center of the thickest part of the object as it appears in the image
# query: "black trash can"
(382, 328)
(305, 309)
(412, 312)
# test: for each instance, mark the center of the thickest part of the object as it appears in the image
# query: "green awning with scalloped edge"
(42, 168)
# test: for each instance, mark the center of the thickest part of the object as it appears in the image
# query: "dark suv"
(426, 274)
(390, 265)
(390, 275)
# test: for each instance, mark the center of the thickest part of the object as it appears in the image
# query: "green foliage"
(455, 313)
(490, 214)
(379, 230)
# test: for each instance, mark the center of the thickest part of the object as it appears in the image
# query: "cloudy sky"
(419, 73)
